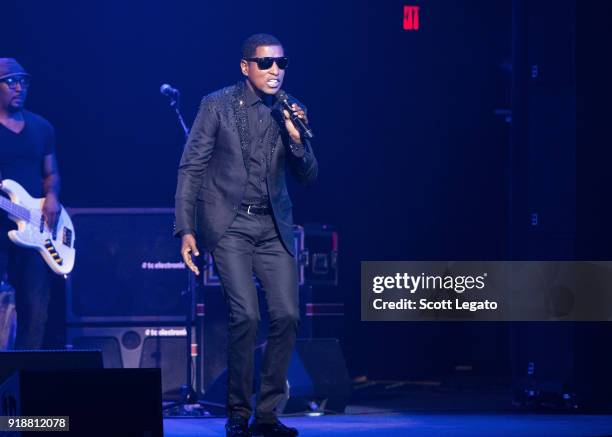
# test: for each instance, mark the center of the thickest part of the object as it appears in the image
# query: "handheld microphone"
(302, 126)
(168, 91)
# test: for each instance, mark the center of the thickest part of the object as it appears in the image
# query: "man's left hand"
(51, 209)
(294, 133)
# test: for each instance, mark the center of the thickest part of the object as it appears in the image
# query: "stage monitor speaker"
(139, 347)
(12, 361)
(129, 268)
(317, 378)
(562, 365)
(98, 402)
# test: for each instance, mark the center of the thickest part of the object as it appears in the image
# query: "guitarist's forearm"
(51, 184)
(51, 178)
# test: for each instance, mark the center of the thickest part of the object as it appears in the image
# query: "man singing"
(232, 198)
(27, 155)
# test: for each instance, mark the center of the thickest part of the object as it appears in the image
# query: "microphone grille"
(281, 95)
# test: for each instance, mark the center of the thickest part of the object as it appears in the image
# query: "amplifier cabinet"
(163, 347)
(128, 268)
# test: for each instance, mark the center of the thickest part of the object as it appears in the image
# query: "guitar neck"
(14, 209)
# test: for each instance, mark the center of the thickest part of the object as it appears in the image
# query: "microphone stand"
(190, 404)
(175, 104)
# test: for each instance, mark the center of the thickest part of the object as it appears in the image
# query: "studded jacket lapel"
(242, 122)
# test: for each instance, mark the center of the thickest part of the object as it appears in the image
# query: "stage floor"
(418, 425)
(418, 412)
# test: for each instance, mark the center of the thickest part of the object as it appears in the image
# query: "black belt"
(256, 209)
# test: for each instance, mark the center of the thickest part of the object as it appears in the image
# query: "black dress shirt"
(259, 113)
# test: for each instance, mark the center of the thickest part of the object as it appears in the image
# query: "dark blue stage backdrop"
(414, 154)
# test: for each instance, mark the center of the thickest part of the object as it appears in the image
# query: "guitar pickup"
(51, 249)
(67, 237)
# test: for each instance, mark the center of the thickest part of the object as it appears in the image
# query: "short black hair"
(249, 46)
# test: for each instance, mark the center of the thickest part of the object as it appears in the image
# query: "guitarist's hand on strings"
(188, 247)
(51, 209)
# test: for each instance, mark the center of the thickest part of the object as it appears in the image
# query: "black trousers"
(252, 245)
(29, 275)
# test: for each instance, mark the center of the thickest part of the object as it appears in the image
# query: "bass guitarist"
(27, 155)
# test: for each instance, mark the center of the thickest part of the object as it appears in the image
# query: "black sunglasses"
(266, 63)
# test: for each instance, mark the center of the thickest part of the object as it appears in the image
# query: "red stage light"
(411, 17)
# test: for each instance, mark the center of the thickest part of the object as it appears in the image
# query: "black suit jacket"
(212, 175)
